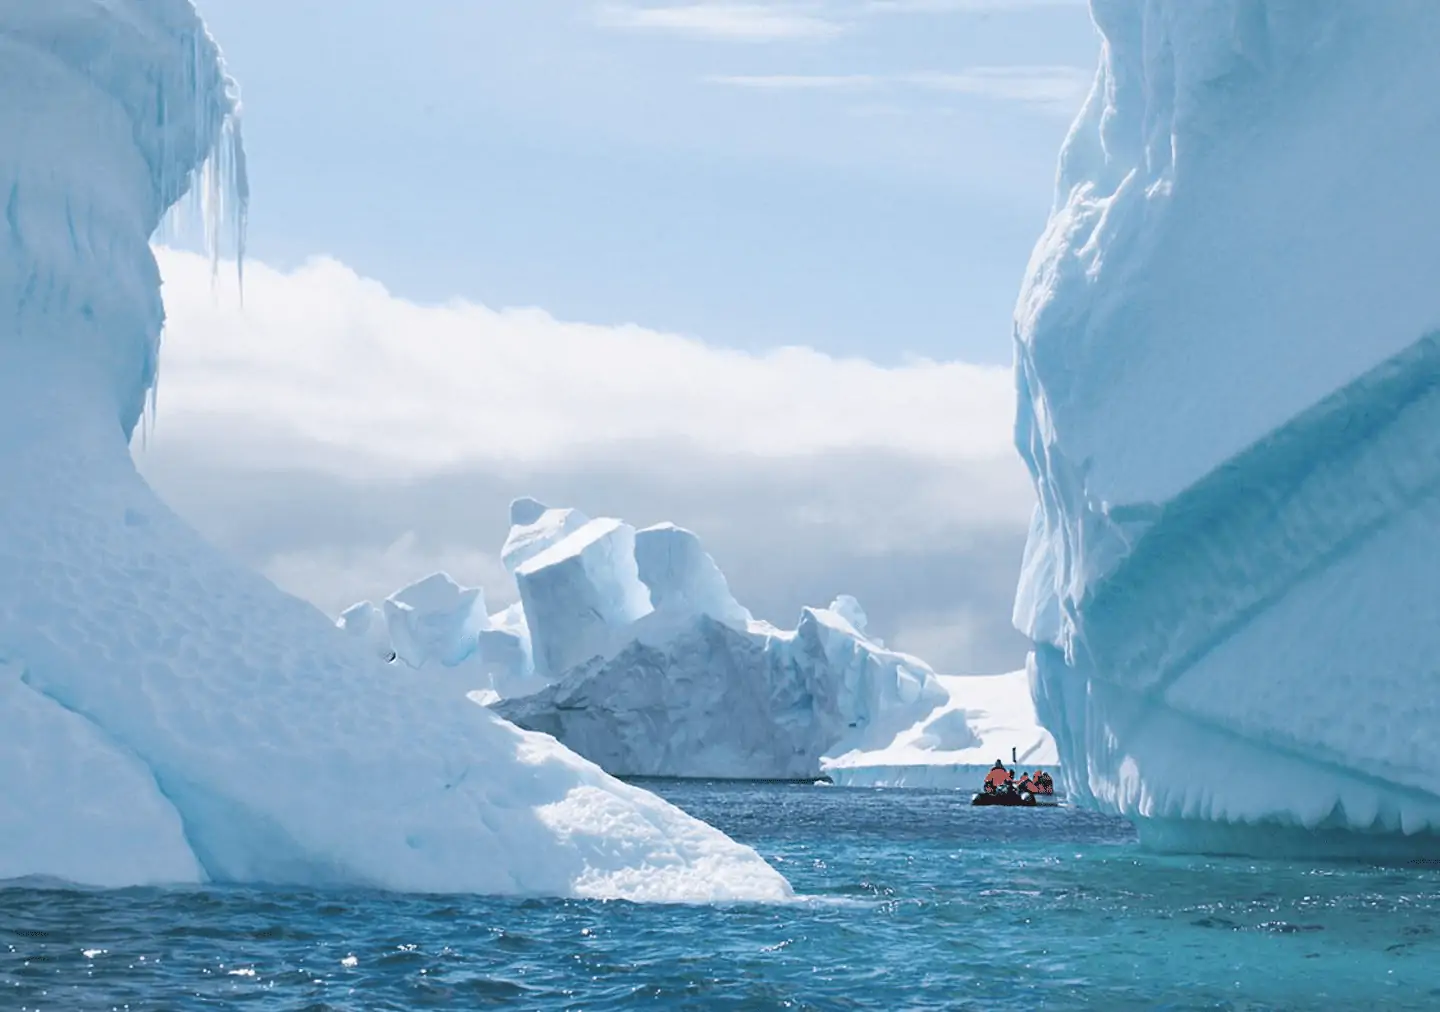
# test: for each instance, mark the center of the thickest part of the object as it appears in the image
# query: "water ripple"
(912, 900)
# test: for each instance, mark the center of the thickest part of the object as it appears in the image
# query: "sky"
(747, 267)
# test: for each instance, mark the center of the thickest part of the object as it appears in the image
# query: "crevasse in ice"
(167, 717)
(1227, 360)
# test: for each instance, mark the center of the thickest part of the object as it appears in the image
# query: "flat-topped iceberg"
(1227, 360)
(164, 716)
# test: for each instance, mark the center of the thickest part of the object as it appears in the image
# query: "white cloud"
(737, 22)
(346, 442)
(795, 82)
(1055, 89)
(965, 6)
(335, 361)
(1060, 88)
(337, 576)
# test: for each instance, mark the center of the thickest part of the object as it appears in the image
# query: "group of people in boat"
(1002, 781)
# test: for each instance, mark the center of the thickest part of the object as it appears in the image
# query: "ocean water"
(913, 900)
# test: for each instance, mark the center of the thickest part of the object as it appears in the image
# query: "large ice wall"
(165, 716)
(139, 89)
(1227, 366)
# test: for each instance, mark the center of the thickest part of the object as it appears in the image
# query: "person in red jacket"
(997, 776)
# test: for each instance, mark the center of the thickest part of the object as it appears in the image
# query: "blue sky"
(860, 176)
(745, 267)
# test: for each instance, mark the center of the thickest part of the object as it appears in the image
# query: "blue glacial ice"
(166, 717)
(1227, 363)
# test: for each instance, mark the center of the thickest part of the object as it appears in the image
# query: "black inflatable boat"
(1015, 799)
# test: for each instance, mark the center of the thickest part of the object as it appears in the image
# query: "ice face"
(436, 619)
(708, 699)
(141, 91)
(367, 623)
(197, 722)
(682, 578)
(578, 592)
(849, 609)
(1226, 363)
(440, 628)
(711, 701)
(66, 786)
(535, 527)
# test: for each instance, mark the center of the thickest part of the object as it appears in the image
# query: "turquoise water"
(915, 901)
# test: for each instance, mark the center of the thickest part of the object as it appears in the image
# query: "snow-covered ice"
(983, 718)
(167, 717)
(1227, 362)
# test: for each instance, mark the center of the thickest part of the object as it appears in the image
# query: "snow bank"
(1227, 367)
(982, 718)
(164, 716)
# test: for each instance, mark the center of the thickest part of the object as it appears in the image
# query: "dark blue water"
(917, 902)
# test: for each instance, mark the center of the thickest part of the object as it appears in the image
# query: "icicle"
(216, 196)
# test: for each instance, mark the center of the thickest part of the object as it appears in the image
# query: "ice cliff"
(629, 647)
(164, 716)
(1227, 361)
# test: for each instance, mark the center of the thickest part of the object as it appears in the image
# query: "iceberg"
(683, 579)
(367, 623)
(1227, 359)
(435, 623)
(534, 527)
(982, 718)
(578, 591)
(710, 700)
(645, 663)
(168, 717)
